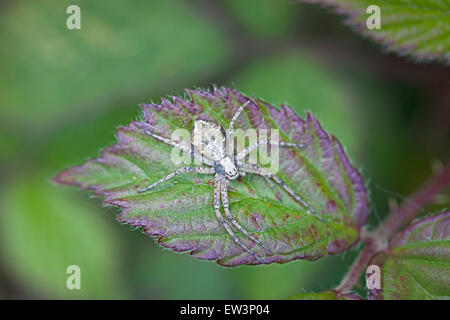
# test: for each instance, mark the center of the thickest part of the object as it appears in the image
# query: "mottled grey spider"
(215, 146)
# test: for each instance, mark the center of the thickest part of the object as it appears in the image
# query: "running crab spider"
(212, 143)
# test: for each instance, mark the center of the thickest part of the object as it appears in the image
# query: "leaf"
(180, 212)
(418, 28)
(122, 50)
(416, 265)
(296, 78)
(44, 230)
(325, 295)
(264, 18)
(276, 281)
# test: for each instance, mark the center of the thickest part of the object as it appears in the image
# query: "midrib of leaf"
(130, 161)
(205, 210)
(163, 190)
(232, 193)
(224, 234)
(193, 236)
(107, 179)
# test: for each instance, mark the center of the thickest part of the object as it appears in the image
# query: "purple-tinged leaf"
(179, 212)
(419, 29)
(416, 265)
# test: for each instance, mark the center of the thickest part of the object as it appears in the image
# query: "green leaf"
(276, 281)
(418, 28)
(44, 230)
(325, 295)
(180, 212)
(265, 18)
(416, 265)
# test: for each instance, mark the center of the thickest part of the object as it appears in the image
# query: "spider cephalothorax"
(210, 139)
(215, 148)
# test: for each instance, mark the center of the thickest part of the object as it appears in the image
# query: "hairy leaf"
(325, 295)
(416, 264)
(418, 28)
(180, 212)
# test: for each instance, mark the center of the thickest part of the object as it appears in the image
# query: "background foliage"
(63, 93)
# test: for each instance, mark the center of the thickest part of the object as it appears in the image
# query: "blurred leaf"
(165, 281)
(124, 48)
(321, 174)
(276, 281)
(264, 17)
(325, 295)
(417, 263)
(298, 79)
(9, 146)
(417, 28)
(96, 132)
(44, 230)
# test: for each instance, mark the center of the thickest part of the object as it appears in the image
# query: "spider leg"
(241, 155)
(266, 173)
(230, 131)
(218, 182)
(270, 183)
(167, 141)
(179, 146)
(202, 170)
(234, 222)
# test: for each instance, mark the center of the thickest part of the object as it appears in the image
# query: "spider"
(215, 147)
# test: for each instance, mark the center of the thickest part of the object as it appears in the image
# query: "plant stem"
(376, 240)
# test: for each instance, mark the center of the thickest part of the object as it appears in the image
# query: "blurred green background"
(63, 93)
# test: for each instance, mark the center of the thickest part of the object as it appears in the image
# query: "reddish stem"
(408, 210)
(376, 240)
